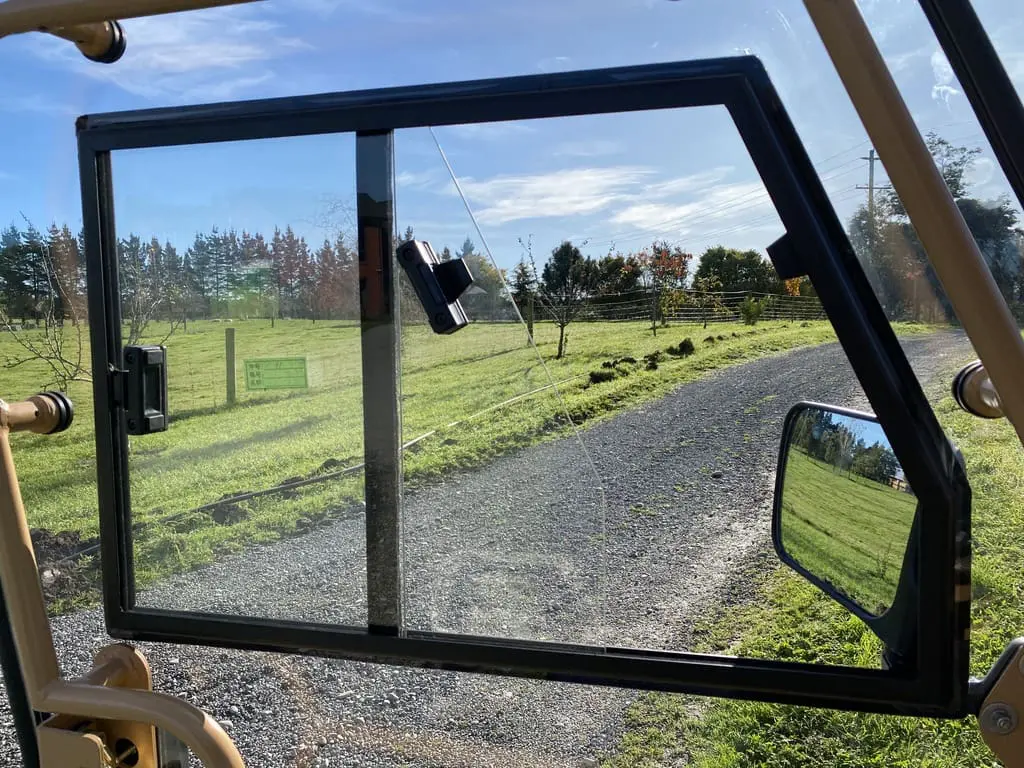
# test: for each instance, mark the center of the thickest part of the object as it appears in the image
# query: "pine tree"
(348, 280)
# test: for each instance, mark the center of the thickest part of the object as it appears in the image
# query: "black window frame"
(815, 245)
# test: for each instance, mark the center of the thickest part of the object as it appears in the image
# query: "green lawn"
(211, 452)
(857, 545)
(793, 621)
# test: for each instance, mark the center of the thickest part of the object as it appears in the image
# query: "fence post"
(229, 359)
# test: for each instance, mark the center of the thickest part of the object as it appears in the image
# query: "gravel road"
(532, 545)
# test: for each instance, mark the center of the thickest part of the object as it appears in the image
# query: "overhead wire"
(748, 200)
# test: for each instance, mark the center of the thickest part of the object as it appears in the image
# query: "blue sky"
(611, 181)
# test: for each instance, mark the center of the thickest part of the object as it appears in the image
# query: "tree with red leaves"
(662, 271)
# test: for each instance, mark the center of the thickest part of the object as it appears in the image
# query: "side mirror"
(845, 519)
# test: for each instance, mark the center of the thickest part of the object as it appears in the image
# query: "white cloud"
(692, 183)
(655, 215)
(739, 202)
(489, 131)
(943, 89)
(626, 195)
(571, 192)
(981, 173)
(199, 55)
(1014, 63)
(378, 10)
(417, 179)
(587, 148)
(37, 103)
(898, 62)
(554, 63)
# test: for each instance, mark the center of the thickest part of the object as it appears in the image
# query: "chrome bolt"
(999, 718)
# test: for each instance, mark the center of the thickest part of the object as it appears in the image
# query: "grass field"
(792, 620)
(857, 546)
(453, 390)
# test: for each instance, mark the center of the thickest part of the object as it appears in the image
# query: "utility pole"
(871, 158)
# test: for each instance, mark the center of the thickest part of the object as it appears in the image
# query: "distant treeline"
(838, 441)
(231, 274)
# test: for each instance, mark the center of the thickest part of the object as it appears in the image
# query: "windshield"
(591, 460)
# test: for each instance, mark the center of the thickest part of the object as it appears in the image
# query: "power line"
(630, 235)
(746, 201)
(753, 199)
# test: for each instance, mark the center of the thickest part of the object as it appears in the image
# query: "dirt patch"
(228, 514)
(62, 573)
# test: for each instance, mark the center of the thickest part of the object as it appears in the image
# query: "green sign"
(276, 373)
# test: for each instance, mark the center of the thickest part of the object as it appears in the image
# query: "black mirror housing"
(838, 490)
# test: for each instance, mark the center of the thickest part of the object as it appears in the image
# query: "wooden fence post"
(229, 358)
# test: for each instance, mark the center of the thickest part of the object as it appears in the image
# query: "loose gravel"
(531, 546)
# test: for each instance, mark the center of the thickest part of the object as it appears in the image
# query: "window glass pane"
(251, 503)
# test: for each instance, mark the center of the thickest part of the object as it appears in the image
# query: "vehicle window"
(1003, 22)
(608, 483)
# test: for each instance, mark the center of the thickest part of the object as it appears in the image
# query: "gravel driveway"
(528, 546)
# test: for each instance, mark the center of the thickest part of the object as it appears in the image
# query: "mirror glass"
(845, 509)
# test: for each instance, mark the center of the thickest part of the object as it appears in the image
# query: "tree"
(488, 279)
(953, 163)
(566, 283)
(705, 295)
(994, 228)
(347, 278)
(745, 271)
(524, 290)
(293, 265)
(255, 285)
(468, 249)
(61, 351)
(144, 289)
(410, 308)
(661, 270)
(896, 262)
(617, 274)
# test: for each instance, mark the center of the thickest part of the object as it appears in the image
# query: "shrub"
(652, 360)
(709, 340)
(721, 338)
(751, 310)
(682, 349)
(619, 362)
(598, 376)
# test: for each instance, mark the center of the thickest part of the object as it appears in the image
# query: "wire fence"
(694, 306)
(198, 379)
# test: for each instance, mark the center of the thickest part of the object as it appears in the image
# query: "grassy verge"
(793, 621)
(454, 389)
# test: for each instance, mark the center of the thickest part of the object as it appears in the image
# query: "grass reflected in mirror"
(849, 530)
